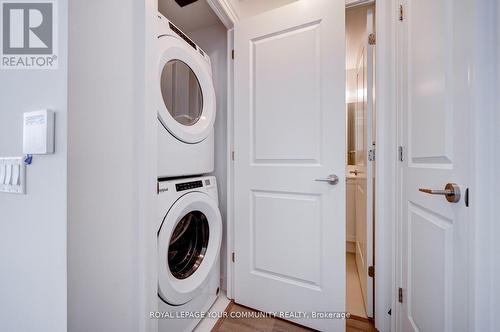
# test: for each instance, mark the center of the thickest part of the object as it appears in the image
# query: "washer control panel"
(188, 185)
(204, 184)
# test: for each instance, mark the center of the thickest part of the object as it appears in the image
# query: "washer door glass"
(181, 92)
(188, 244)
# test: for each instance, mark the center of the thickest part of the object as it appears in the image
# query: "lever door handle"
(331, 179)
(451, 192)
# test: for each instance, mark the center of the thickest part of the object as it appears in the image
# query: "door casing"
(385, 204)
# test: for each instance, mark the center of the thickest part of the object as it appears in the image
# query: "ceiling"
(192, 17)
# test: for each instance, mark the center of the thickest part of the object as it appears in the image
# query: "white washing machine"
(185, 104)
(189, 240)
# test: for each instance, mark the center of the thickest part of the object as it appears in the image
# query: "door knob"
(331, 179)
(451, 192)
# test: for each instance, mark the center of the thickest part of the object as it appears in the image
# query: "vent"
(184, 3)
(182, 35)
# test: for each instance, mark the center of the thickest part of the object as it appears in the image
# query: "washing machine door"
(189, 242)
(186, 96)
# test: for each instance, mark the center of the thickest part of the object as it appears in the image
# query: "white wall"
(33, 226)
(495, 244)
(485, 307)
(107, 288)
(214, 41)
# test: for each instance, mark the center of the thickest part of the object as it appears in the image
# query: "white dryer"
(189, 240)
(186, 107)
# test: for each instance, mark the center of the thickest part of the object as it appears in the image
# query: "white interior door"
(289, 131)
(436, 56)
(365, 145)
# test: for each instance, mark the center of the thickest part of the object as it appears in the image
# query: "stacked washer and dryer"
(189, 223)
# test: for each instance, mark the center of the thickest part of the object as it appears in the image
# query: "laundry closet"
(191, 55)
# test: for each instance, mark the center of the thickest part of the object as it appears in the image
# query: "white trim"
(225, 11)
(485, 188)
(146, 163)
(230, 167)
(209, 322)
(385, 168)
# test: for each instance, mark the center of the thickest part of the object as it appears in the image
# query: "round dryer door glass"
(181, 92)
(188, 244)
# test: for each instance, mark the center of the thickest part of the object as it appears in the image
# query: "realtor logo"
(28, 35)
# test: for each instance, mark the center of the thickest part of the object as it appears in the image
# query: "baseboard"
(209, 323)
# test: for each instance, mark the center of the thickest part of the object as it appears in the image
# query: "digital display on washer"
(188, 185)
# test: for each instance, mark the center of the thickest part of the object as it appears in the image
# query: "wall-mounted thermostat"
(38, 132)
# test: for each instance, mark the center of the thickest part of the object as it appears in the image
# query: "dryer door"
(189, 241)
(186, 96)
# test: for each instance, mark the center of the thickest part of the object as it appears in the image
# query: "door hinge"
(372, 39)
(400, 153)
(232, 54)
(232, 155)
(371, 271)
(233, 257)
(400, 295)
(371, 155)
(401, 13)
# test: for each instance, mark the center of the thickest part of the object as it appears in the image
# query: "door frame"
(485, 186)
(385, 166)
(385, 118)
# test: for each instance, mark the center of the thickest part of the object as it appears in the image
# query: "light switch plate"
(13, 175)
